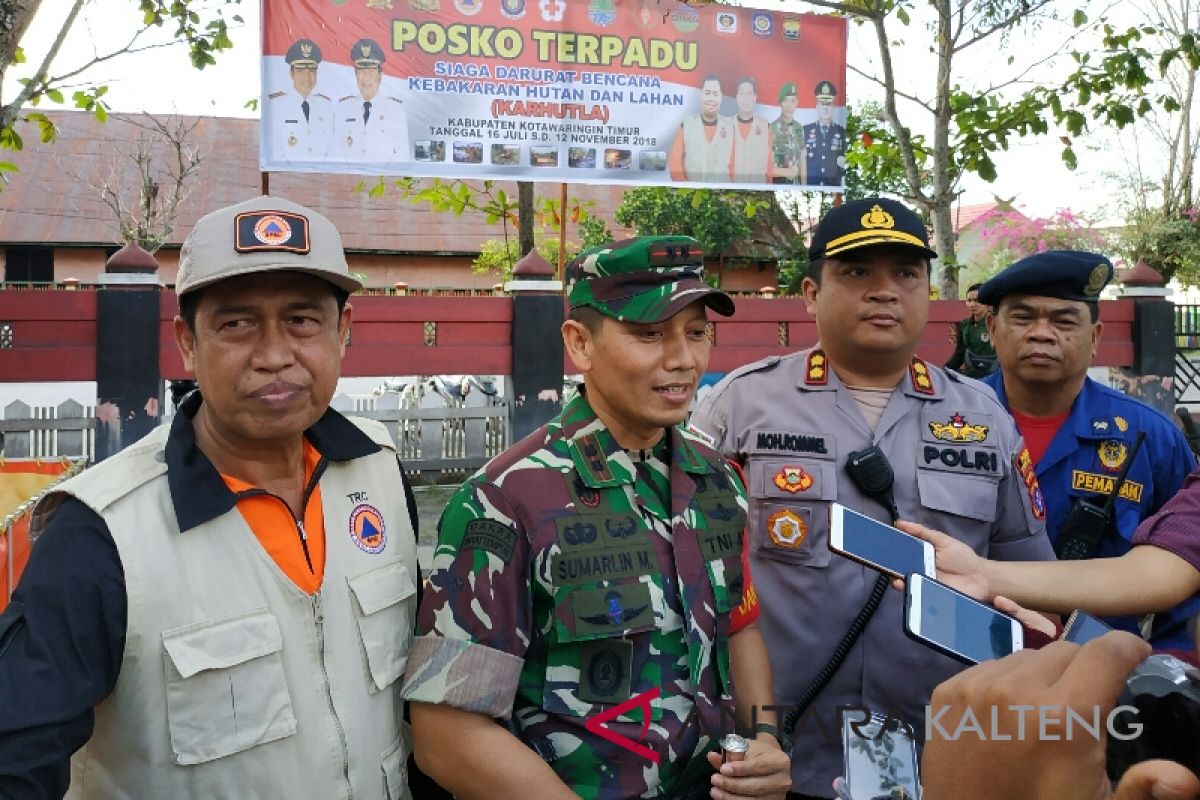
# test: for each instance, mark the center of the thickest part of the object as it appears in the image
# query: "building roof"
(968, 216)
(54, 198)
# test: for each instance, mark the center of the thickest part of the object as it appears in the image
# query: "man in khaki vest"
(703, 147)
(224, 609)
(752, 148)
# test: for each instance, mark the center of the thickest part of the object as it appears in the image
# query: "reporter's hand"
(958, 566)
(1001, 756)
(1158, 780)
(766, 772)
(1030, 619)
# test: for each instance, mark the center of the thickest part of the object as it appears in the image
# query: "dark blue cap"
(866, 222)
(367, 53)
(1065, 274)
(303, 53)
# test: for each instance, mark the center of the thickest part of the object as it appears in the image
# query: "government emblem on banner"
(602, 12)
(685, 20)
(727, 22)
(791, 29)
(513, 9)
(646, 15)
(552, 10)
(468, 8)
(761, 24)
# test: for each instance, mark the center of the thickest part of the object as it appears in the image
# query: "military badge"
(919, 370)
(612, 608)
(1096, 280)
(793, 479)
(367, 529)
(1099, 425)
(605, 668)
(761, 24)
(1122, 424)
(727, 22)
(589, 498)
(817, 373)
(512, 9)
(787, 529)
(958, 430)
(1112, 454)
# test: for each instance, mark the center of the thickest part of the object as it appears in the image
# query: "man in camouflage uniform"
(787, 139)
(974, 353)
(589, 591)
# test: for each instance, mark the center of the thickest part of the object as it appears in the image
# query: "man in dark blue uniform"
(825, 141)
(1080, 433)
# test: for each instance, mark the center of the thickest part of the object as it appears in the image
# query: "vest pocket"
(384, 609)
(226, 688)
(395, 765)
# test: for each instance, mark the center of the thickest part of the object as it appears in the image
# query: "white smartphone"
(958, 625)
(880, 757)
(877, 545)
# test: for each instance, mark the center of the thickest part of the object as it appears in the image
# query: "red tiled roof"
(54, 198)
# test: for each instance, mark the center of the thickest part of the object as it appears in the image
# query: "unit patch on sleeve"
(1024, 465)
(787, 529)
(488, 534)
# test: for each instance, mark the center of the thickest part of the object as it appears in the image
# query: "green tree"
(717, 218)
(969, 123)
(202, 28)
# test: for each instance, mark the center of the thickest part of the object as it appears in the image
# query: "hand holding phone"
(957, 625)
(880, 757)
(877, 545)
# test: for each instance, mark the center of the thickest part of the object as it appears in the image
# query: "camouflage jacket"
(787, 138)
(563, 585)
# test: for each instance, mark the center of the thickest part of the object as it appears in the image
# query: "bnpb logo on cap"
(270, 230)
(367, 528)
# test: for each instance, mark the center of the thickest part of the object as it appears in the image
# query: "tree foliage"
(1113, 83)
(202, 28)
(1170, 243)
(1009, 235)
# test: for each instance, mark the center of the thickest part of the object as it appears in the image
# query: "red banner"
(599, 91)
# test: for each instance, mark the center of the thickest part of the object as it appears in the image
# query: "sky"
(162, 81)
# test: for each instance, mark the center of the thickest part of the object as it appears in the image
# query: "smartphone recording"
(877, 545)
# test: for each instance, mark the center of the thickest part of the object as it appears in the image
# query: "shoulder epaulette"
(816, 369)
(323, 96)
(273, 95)
(347, 97)
(921, 380)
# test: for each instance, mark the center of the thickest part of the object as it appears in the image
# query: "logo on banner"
(469, 8)
(552, 10)
(431, 6)
(726, 22)
(685, 19)
(602, 12)
(761, 24)
(791, 29)
(646, 15)
(513, 9)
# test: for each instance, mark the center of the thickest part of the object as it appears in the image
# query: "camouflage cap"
(265, 234)
(647, 279)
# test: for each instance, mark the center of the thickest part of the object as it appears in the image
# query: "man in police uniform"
(1081, 433)
(795, 422)
(300, 120)
(825, 141)
(593, 576)
(973, 355)
(787, 140)
(371, 128)
(224, 608)
(703, 147)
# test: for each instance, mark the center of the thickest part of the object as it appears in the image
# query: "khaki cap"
(265, 234)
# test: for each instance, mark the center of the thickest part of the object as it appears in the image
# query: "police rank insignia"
(817, 372)
(787, 529)
(1122, 424)
(1112, 454)
(919, 371)
(367, 528)
(958, 430)
(793, 479)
